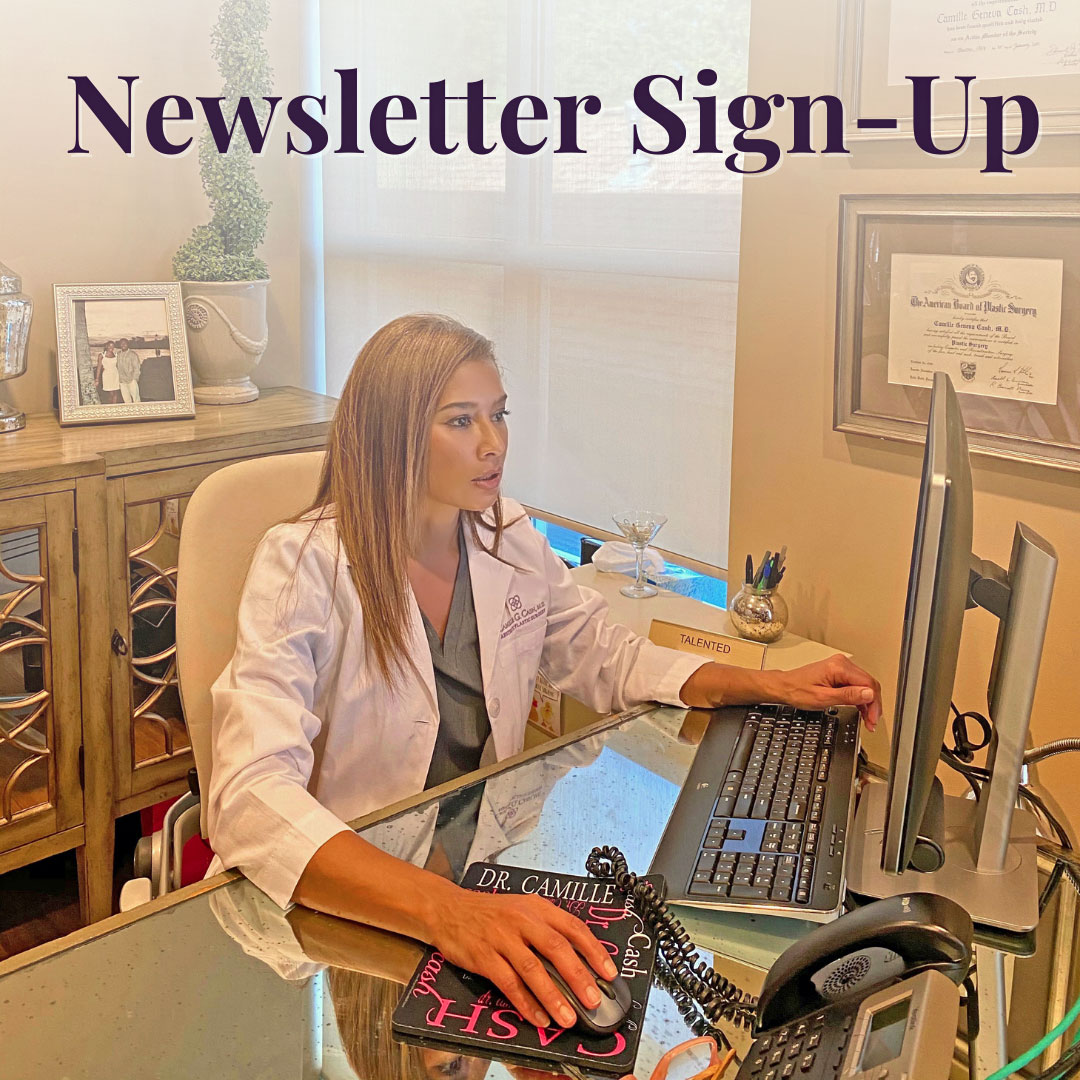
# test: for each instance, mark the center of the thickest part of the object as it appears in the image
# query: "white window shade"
(607, 280)
(363, 294)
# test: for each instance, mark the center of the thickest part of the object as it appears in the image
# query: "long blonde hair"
(375, 474)
(363, 1007)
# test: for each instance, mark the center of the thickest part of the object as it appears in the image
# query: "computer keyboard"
(770, 794)
(777, 761)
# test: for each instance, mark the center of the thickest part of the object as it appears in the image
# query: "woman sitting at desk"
(393, 631)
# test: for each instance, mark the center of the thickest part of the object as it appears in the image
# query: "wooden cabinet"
(145, 511)
(90, 518)
(40, 793)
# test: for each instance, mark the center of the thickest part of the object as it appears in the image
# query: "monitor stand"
(1005, 899)
(989, 846)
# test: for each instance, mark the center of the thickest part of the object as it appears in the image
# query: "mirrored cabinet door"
(40, 726)
(152, 751)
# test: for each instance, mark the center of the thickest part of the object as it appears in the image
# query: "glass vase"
(16, 309)
(759, 614)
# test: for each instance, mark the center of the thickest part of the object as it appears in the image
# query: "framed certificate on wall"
(1030, 48)
(985, 288)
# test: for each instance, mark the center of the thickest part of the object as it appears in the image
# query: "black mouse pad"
(448, 1008)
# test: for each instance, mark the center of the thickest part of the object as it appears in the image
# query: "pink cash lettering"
(427, 980)
(510, 1028)
(437, 1017)
(603, 916)
(425, 984)
(548, 1035)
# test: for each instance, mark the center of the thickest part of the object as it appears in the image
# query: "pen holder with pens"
(757, 610)
(759, 614)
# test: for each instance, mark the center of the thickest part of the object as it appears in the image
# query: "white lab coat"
(510, 808)
(307, 735)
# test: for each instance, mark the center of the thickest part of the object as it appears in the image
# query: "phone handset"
(863, 950)
(872, 996)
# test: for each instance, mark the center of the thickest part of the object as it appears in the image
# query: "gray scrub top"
(464, 726)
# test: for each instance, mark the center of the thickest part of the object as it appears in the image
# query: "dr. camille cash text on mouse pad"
(446, 1007)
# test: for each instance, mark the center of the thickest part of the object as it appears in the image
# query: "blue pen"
(759, 577)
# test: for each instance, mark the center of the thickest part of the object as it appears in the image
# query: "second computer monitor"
(933, 618)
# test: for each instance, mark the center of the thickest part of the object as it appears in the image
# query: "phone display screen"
(885, 1039)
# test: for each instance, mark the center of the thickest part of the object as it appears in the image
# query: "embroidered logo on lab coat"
(518, 616)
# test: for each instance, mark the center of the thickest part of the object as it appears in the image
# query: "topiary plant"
(224, 249)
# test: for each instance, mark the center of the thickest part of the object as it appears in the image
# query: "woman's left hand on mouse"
(499, 936)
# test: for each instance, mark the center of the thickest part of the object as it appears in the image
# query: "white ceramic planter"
(226, 333)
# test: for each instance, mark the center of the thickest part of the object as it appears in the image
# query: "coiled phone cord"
(688, 978)
(688, 1008)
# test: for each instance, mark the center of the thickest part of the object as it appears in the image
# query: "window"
(566, 543)
(607, 280)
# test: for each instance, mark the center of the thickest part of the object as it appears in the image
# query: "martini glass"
(639, 527)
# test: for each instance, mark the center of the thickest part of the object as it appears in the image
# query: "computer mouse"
(614, 1004)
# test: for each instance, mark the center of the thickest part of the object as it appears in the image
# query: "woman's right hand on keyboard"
(835, 681)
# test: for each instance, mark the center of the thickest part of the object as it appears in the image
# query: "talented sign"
(719, 647)
(993, 324)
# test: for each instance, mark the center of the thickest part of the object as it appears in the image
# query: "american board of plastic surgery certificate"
(992, 324)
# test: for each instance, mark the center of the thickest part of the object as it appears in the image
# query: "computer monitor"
(909, 836)
(937, 595)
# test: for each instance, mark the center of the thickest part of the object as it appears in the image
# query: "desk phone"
(905, 1032)
(872, 996)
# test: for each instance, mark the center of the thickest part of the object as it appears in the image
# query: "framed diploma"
(986, 288)
(1027, 47)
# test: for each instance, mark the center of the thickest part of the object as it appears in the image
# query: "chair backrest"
(227, 515)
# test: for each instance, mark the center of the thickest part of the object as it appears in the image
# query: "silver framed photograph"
(121, 353)
(1032, 49)
(986, 288)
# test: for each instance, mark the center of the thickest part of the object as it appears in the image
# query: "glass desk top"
(217, 981)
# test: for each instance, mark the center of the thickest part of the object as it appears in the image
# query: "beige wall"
(105, 216)
(845, 505)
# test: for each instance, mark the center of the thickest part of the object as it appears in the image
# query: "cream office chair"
(225, 519)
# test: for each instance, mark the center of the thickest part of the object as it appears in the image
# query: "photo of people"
(122, 351)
